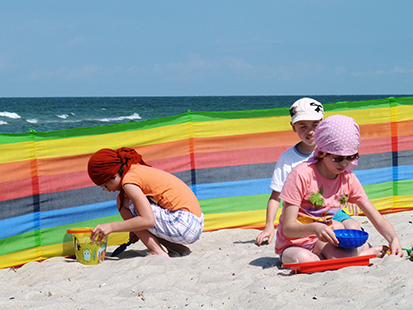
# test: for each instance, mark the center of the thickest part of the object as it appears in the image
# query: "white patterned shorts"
(180, 226)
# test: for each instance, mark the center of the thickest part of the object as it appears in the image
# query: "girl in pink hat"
(316, 190)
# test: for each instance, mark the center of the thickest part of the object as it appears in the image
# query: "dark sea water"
(45, 114)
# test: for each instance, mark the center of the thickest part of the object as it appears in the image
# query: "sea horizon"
(23, 114)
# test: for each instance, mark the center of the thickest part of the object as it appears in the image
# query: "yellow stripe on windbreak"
(235, 219)
(12, 152)
(258, 217)
(403, 112)
(365, 116)
(91, 144)
(61, 249)
(241, 126)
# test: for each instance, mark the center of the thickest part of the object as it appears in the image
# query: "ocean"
(19, 115)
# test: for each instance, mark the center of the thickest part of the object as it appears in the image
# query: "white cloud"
(64, 73)
(381, 72)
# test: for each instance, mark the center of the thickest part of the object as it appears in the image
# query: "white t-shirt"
(285, 164)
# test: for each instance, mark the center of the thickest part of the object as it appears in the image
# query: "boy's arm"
(272, 207)
(383, 226)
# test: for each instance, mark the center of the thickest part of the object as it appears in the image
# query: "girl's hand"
(266, 233)
(325, 233)
(100, 231)
(396, 248)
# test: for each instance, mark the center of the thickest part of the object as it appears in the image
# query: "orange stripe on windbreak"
(239, 157)
(375, 131)
(404, 129)
(382, 130)
(16, 171)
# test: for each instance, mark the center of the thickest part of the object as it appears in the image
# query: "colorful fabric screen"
(227, 158)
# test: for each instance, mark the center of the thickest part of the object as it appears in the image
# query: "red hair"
(105, 163)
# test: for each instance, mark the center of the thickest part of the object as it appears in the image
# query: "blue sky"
(189, 48)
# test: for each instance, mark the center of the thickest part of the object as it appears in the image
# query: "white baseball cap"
(306, 109)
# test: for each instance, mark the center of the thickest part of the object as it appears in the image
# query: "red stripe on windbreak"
(172, 164)
(405, 143)
(394, 138)
(34, 177)
(17, 189)
(375, 146)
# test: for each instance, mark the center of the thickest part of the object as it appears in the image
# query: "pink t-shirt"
(318, 198)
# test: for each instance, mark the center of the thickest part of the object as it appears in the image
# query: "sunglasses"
(339, 159)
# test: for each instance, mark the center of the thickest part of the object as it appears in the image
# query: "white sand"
(226, 270)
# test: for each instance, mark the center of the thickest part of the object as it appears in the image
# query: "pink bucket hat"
(338, 135)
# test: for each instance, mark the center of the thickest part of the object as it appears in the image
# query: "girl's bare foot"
(380, 251)
(162, 253)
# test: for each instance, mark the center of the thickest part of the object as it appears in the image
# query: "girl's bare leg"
(149, 240)
(295, 254)
(330, 251)
(337, 225)
(175, 247)
(351, 224)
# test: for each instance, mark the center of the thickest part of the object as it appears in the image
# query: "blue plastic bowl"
(351, 238)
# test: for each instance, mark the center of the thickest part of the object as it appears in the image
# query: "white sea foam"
(64, 116)
(121, 118)
(9, 114)
(32, 121)
(3, 123)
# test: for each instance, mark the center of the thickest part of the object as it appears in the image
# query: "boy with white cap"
(306, 114)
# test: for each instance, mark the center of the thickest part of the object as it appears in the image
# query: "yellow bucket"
(87, 252)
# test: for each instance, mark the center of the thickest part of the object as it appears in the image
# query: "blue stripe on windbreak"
(382, 175)
(233, 189)
(404, 172)
(374, 176)
(261, 186)
(17, 225)
(22, 224)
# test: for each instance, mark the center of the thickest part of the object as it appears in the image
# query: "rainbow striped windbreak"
(227, 158)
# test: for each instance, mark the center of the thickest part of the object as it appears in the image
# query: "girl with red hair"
(159, 208)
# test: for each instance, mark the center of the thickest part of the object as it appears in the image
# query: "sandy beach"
(226, 270)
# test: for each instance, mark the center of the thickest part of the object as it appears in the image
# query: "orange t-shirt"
(164, 188)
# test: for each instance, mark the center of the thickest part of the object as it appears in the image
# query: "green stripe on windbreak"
(53, 235)
(405, 187)
(91, 131)
(369, 104)
(49, 236)
(234, 204)
(198, 117)
(381, 190)
(17, 243)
